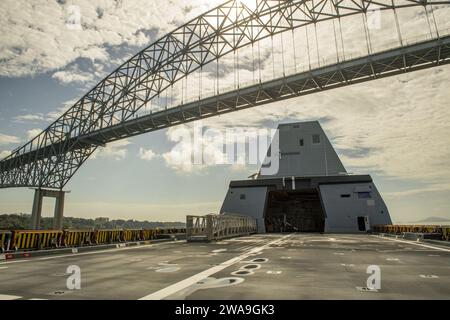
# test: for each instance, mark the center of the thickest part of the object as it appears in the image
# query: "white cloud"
(74, 75)
(53, 115)
(7, 139)
(40, 117)
(147, 155)
(30, 118)
(180, 156)
(413, 192)
(189, 154)
(33, 133)
(116, 150)
(4, 154)
(198, 148)
(37, 38)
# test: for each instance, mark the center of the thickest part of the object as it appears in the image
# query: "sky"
(395, 129)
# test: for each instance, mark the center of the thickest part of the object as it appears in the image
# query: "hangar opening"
(294, 211)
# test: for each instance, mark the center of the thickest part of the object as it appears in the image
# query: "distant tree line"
(21, 222)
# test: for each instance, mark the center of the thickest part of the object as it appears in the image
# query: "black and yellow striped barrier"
(167, 231)
(148, 234)
(107, 236)
(36, 239)
(5, 240)
(79, 238)
(171, 230)
(131, 235)
(42, 239)
(444, 231)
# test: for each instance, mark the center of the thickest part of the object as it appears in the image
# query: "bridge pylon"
(36, 212)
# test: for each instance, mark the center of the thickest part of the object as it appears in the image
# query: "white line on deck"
(8, 297)
(415, 243)
(250, 246)
(164, 293)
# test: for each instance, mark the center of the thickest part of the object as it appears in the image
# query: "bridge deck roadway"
(295, 266)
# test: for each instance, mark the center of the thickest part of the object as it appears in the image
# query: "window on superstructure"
(315, 138)
(364, 195)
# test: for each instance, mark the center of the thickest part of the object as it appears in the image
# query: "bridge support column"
(59, 211)
(37, 210)
(39, 195)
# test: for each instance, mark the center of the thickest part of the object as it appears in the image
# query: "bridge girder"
(53, 157)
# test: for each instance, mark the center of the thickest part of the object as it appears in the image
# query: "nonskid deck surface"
(265, 266)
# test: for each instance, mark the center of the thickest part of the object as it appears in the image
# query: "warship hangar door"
(294, 211)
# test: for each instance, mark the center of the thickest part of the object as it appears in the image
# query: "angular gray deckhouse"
(306, 188)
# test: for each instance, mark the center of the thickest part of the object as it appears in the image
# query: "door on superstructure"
(362, 223)
(367, 223)
(294, 211)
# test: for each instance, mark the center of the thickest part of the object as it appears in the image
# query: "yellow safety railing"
(148, 234)
(107, 236)
(36, 239)
(131, 235)
(5, 240)
(78, 237)
(42, 239)
(444, 231)
(171, 230)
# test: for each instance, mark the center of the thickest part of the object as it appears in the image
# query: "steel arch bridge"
(110, 111)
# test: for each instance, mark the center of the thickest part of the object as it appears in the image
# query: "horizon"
(94, 218)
